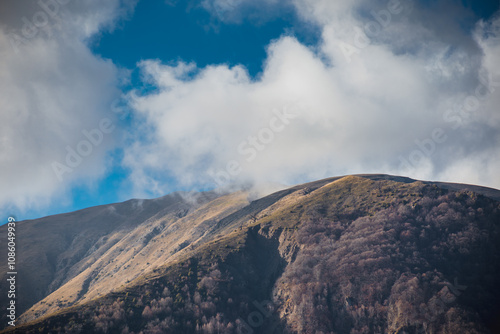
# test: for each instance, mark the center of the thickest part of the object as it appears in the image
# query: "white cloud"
(481, 164)
(52, 88)
(353, 116)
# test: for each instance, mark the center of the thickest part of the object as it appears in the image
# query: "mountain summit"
(352, 254)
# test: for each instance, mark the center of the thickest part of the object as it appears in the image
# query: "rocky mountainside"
(354, 254)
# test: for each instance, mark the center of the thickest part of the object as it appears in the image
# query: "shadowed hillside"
(355, 254)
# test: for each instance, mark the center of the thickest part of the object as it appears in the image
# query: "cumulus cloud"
(392, 87)
(388, 89)
(53, 89)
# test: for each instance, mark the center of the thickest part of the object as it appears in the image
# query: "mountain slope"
(154, 242)
(53, 250)
(355, 254)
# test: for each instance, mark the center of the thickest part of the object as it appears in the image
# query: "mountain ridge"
(231, 219)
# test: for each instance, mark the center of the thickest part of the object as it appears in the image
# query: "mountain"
(353, 254)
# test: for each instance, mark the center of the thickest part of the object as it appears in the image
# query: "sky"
(103, 101)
